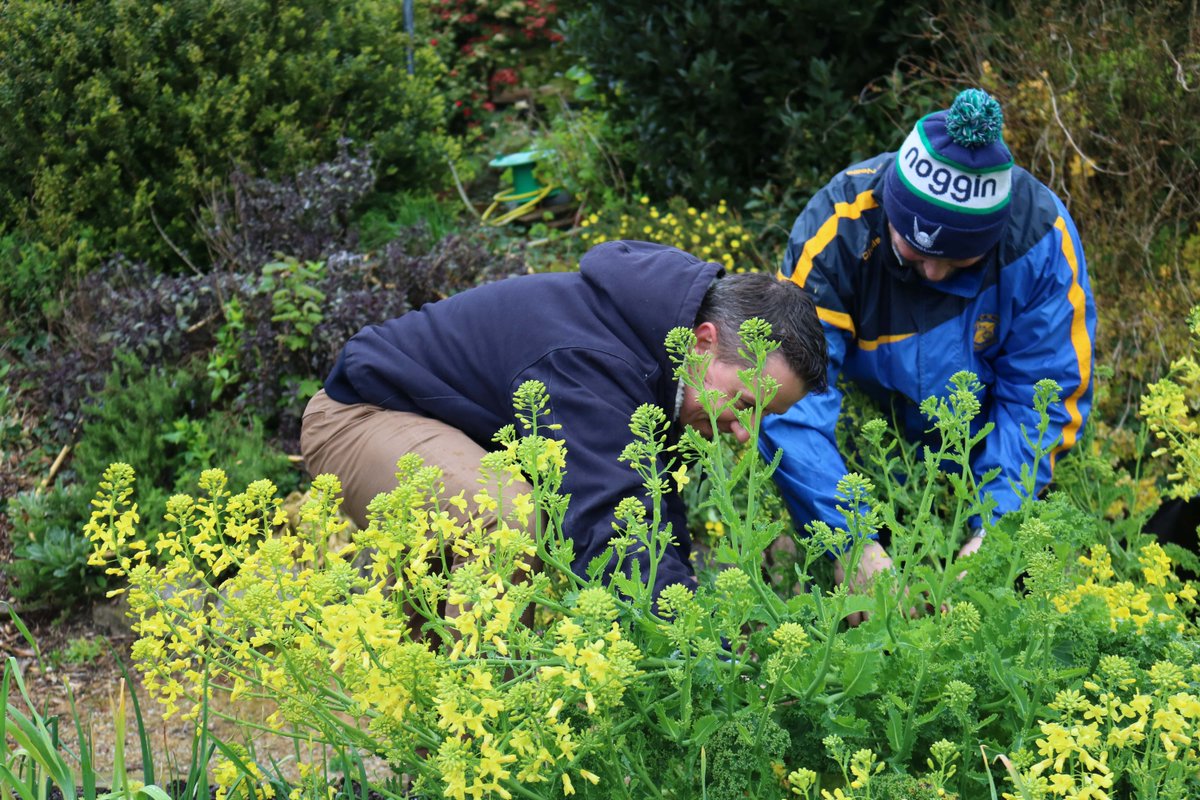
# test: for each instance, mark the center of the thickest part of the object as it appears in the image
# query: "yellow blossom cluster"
(1124, 723)
(1171, 408)
(1161, 600)
(404, 636)
(714, 234)
(232, 784)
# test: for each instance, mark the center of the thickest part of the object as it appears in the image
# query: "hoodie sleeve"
(592, 395)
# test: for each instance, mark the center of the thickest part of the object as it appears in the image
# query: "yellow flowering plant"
(1171, 407)
(714, 234)
(475, 661)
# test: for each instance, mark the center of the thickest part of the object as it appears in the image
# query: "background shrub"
(281, 369)
(121, 113)
(49, 553)
(496, 51)
(158, 418)
(723, 96)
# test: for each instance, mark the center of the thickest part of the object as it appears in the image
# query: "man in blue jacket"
(439, 381)
(940, 257)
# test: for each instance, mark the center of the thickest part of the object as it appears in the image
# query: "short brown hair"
(787, 308)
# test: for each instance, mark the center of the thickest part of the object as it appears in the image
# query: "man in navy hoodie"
(439, 381)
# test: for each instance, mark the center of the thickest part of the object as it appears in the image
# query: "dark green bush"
(158, 420)
(726, 95)
(120, 114)
(29, 285)
(49, 551)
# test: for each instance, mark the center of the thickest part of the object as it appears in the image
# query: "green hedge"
(121, 112)
(725, 95)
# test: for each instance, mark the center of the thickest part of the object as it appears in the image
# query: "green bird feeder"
(521, 164)
(525, 193)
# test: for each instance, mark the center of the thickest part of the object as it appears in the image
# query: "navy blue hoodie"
(594, 338)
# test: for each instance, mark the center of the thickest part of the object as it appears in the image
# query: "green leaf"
(703, 728)
(846, 725)
(895, 728)
(670, 727)
(859, 670)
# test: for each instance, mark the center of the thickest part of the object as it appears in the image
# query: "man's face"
(929, 268)
(722, 376)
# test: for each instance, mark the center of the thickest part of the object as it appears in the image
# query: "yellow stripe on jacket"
(826, 234)
(1079, 340)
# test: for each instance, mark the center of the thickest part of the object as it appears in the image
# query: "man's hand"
(970, 547)
(874, 559)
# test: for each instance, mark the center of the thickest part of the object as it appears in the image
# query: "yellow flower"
(681, 477)
(1061, 784)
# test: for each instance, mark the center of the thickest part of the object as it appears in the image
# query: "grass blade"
(143, 738)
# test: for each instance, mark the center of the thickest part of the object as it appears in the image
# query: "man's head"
(947, 194)
(798, 365)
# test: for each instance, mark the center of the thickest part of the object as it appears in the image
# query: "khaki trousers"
(361, 443)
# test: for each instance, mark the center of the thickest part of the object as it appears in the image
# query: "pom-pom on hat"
(947, 193)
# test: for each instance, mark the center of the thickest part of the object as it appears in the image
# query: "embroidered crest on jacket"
(985, 331)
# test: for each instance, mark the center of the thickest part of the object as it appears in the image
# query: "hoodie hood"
(651, 288)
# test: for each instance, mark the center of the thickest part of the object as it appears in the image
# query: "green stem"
(909, 723)
(826, 658)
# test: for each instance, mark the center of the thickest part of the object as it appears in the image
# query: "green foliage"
(49, 556)
(155, 418)
(31, 279)
(38, 766)
(80, 650)
(121, 114)
(723, 96)
(396, 215)
(295, 300)
(223, 367)
(590, 147)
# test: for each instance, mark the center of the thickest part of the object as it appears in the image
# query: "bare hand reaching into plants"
(873, 561)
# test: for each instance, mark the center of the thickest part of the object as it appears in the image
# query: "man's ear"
(706, 338)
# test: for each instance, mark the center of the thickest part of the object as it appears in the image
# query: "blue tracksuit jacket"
(595, 338)
(1022, 314)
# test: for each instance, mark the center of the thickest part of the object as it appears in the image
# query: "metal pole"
(408, 26)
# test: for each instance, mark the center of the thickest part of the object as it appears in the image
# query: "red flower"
(489, 106)
(507, 76)
(433, 42)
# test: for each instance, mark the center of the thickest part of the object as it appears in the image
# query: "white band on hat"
(943, 183)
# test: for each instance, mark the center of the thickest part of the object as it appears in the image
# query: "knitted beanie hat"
(947, 193)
